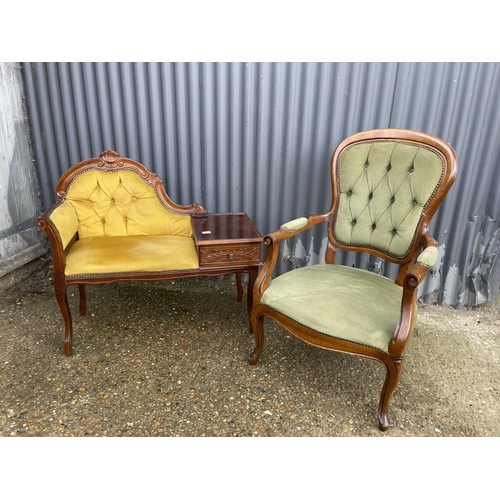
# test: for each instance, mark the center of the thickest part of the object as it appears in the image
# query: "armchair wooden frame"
(411, 271)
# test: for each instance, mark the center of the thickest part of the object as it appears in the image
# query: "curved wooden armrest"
(58, 253)
(295, 227)
(272, 242)
(426, 259)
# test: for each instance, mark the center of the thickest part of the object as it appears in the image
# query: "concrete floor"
(171, 359)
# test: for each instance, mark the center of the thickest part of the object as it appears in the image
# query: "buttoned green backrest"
(384, 189)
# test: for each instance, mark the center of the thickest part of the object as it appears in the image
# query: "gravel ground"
(171, 359)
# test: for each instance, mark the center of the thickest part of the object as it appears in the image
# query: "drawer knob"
(230, 255)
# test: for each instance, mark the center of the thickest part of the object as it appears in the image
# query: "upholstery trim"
(123, 275)
(423, 207)
(326, 335)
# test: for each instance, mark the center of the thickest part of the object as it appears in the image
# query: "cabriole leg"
(62, 301)
(393, 374)
(257, 322)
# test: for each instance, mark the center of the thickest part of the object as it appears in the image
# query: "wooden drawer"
(229, 255)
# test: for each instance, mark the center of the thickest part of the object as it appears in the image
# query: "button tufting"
(370, 196)
(393, 199)
(389, 168)
(349, 193)
(394, 231)
(353, 222)
(374, 225)
(411, 169)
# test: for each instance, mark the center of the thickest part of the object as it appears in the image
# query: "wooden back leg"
(83, 300)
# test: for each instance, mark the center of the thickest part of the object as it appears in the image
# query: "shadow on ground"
(171, 359)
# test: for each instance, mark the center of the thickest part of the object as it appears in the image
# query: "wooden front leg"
(62, 301)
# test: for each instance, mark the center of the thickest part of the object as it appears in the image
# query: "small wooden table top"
(223, 228)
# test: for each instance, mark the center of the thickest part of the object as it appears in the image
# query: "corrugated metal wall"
(461, 103)
(20, 241)
(258, 137)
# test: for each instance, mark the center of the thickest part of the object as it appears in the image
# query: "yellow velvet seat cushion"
(339, 301)
(131, 254)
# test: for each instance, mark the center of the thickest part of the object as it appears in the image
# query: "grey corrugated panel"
(459, 102)
(258, 137)
(335, 98)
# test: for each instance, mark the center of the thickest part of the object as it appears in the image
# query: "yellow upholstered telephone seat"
(114, 222)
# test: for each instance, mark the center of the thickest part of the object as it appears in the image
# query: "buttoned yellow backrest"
(120, 203)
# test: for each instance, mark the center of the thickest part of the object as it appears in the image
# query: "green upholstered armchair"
(386, 186)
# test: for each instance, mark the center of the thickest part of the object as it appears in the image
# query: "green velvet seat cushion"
(131, 254)
(340, 301)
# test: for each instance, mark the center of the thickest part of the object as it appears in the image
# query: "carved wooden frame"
(409, 277)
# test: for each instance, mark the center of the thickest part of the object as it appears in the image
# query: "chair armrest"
(429, 256)
(426, 259)
(272, 242)
(63, 217)
(60, 222)
(294, 227)
(295, 224)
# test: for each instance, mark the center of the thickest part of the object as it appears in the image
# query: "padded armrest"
(273, 240)
(65, 221)
(428, 257)
(425, 260)
(295, 224)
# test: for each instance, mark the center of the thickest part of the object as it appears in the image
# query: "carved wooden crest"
(110, 159)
